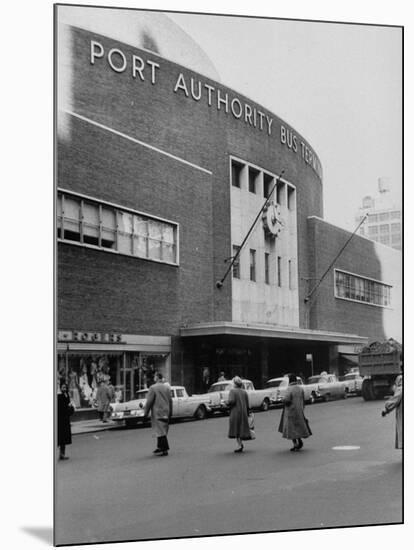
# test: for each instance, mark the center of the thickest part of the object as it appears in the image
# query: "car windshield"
(274, 383)
(220, 387)
(315, 379)
(142, 394)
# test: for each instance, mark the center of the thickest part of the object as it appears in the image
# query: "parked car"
(353, 383)
(326, 386)
(184, 406)
(258, 399)
(281, 384)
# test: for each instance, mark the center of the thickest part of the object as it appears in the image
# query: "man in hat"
(159, 402)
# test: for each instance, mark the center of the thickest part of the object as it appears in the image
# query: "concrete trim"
(271, 331)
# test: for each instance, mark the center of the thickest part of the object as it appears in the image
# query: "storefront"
(127, 362)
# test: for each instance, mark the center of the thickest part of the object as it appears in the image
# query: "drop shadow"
(44, 534)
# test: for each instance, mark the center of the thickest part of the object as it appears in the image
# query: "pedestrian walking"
(293, 424)
(65, 409)
(396, 403)
(222, 377)
(159, 402)
(238, 401)
(103, 399)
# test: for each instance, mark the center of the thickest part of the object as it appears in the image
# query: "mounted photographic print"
(228, 202)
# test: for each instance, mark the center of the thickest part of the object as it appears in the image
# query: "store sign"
(97, 337)
(194, 89)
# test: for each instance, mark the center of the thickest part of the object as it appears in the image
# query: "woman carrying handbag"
(293, 424)
(238, 402)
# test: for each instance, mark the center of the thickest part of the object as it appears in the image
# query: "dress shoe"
(63, 457)
(239, 450)
(294, 449)
(164, 453)
(157, 451)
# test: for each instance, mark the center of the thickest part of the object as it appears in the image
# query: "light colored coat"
(238, 402)
(103, 398)
(159, 402)
(396, 403)
(292, 422)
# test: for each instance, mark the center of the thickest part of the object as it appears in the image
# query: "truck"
(380, 363)
(218, 394)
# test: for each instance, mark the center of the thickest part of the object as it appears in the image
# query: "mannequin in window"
(73, 387)
(86, 390)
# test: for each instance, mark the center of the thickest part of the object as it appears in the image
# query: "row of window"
(285, 194)
(384, 216)
(361, 289)
(97, 224)
(268, 279)
(384, 228)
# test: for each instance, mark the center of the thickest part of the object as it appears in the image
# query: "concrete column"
(264, 361)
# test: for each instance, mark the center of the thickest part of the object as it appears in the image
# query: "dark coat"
(64, 412)
(292, 422)
(159, 402)
(238, 402)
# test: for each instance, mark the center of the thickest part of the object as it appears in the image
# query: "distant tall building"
(384, 223)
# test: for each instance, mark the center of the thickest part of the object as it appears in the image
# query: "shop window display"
(126, 372)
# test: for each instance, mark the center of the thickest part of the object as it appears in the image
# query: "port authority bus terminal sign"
(194, 89)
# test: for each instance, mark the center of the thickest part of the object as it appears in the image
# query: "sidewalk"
(89, 426)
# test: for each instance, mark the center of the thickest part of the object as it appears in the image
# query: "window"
(372, 218)
(384, 216)
(179, 392)
(384, 239)
(253, 175)
(236, 170)
(279, 192)
(252, 265)
(266, 258)
(291, 198)
(395, 215)
(395, 227)
(236, 264)
(92, 223)
(384, 228)
(279, 271)
(396, 239)
(361, 289)
(268, 183)
(373, 230)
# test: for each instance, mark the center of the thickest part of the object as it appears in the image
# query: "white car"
(281, 385)
(258, 399)
(184, 406)
(353, 382)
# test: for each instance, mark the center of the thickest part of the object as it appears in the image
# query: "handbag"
(250, 419)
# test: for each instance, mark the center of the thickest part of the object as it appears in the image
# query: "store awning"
(270, 331)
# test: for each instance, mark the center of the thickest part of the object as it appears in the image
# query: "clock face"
(272, 219)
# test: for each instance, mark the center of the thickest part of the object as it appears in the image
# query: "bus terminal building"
(161, 172)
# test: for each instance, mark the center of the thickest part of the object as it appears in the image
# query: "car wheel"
(345, 393)
(326, 397)
(200, 413)
(265, 405)
(312, 399)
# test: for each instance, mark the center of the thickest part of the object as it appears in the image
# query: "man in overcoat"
(159, 402)
(396, 403)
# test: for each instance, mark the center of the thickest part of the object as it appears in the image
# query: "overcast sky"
(339, 85)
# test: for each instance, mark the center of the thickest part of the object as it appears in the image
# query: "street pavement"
(114, 489)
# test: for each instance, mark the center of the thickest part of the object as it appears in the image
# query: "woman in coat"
(396, 402)
(238, 401)
(293, 424)
(65, 410)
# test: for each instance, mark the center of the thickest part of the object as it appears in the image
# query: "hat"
(237, 381)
